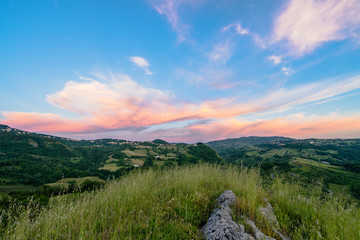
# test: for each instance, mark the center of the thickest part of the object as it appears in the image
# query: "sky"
(181, 70)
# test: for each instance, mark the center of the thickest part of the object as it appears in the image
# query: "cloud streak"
(119, 103)
(238, 28)
(307, 24)
(221, 52)
(244, 31)
(275, 59)
(298, 126)
(141, 63)
(169, 9)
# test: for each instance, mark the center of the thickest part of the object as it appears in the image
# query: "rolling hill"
(336, 162)
(29, 160)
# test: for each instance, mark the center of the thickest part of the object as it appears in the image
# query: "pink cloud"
(119, 103)
(44, 122)
(307, 24)
(297, 126)
(170, 9)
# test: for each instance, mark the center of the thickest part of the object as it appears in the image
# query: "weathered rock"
(257, 233)
(220, 225)
(227, 198)
(269, 216)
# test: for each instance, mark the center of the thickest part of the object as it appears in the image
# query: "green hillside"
(59, 188)
(245, 142)
(176, 203)
(336, 162)
(29, 161)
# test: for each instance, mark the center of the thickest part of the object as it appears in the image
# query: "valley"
(333, 162)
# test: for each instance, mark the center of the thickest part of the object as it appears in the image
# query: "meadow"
(175, 203)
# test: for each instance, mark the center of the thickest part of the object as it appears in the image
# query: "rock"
(269, 216)
(220, 225)
(227, 199)
(258, 234)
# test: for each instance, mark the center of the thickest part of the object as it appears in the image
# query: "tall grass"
(176, 203)
(171, 204)
(308, 214)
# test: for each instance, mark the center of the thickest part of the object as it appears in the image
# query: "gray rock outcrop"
(220, 225)
(257, 233)
(270, 217)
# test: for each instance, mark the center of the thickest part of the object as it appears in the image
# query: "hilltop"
(176, 203)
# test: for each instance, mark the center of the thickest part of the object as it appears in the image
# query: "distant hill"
(335, 162)
(3, 127)
(160, 141)
(30, 159)
(161, 201)
(245, 142)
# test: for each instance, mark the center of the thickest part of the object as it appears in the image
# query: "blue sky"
(181, 70)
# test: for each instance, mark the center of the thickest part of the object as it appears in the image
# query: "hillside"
(334, 161)
(176, 203)
(245, 142)
(30, 160)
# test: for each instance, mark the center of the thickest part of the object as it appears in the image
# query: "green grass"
(64, 183)
(159, 163)
(136, 153)
(135, 161)
(306, 214)
(75, 160)
(338, 189)
(139, 151)
(332, 151)
(112, 167)
(321, 165)
(274, 152)
(111, 159)
(292, 151)
(176, 203)
(6, 180)
(18, 187)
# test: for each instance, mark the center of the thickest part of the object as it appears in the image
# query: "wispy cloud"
(298, 125)
(45, 122)
(215, 78)
(170, 9)
(118, 102)
(286, 98)
(142, 63)
(238, 28)
(275, 59)
(307, 24)
(259, 41)
(221, 52)
(287, 70)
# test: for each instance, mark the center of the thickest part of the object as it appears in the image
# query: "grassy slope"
(32, 160)
(175, 204)
(305, 160)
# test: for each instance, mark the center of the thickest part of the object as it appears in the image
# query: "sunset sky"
(181, 70)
